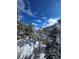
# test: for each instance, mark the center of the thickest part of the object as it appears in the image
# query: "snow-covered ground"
(25, 49)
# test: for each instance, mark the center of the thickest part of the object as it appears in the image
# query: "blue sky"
(41, 13)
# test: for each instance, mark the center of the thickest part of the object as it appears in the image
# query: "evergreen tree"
(53, 49)
(23, 31)
(20, 30)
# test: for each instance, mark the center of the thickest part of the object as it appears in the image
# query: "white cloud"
(21, 7)
(44, 17)
(20, 4)
(35, 24)
(36, 28)
(29, 12)
(39, 21)
(50, 22)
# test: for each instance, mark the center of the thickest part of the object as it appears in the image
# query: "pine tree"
(53, 49)
(20, 30)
